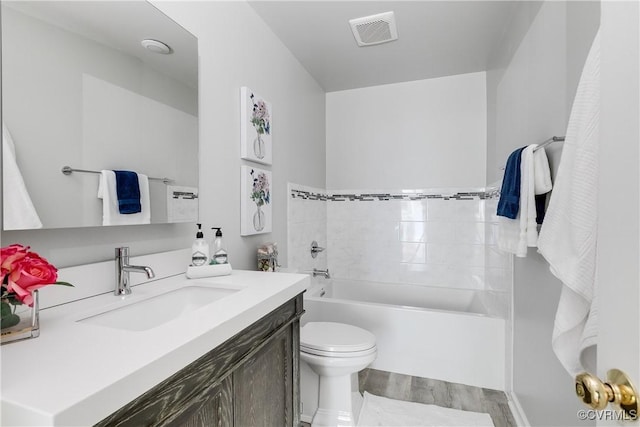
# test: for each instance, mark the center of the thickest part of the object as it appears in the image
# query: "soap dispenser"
(199, 249)
(219, 252)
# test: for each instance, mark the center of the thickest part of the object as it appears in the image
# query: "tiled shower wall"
(306, 222)
(435, 237)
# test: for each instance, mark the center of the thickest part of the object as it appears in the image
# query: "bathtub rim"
(312, 294)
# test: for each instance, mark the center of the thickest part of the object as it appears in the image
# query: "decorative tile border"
(369, 197)
(307, 195)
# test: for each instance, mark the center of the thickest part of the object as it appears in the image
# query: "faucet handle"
(315, 249)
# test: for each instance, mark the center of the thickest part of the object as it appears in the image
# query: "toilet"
(335, 351)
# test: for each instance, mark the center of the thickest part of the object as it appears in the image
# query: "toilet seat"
(340, 355)
(331, 339)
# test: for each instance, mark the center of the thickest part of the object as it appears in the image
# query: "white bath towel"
(568, 236)
(515, 235)
(19, 213)
(110, 212)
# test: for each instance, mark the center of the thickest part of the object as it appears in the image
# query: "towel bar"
(549, 141)
(68, 170)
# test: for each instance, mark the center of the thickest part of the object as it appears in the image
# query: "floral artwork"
(256, 125)
(255, 209)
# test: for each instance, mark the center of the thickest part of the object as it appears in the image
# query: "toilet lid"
(335, 337)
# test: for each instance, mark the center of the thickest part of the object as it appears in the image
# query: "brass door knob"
(598, 394)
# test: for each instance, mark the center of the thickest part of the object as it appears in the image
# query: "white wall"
(236, 48)
(420, 134)
(530, 90)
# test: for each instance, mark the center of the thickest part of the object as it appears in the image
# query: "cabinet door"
(212, 408)
(263, 386)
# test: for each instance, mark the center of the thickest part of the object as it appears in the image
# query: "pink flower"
(9, 256)
(28, 274)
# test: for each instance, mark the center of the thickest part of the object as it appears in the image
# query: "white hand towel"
(528, 225)
(19, 213)
(541, 174)
(509, 236)
(568, 236)
(111, 213)
(515, 235)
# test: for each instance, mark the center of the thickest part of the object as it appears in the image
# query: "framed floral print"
(255, 207)
(256, 127)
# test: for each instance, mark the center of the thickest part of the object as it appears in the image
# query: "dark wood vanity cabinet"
(252, 379)
(263, 384)
(213, 407)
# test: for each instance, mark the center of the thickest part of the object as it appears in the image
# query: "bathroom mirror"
(80, 90)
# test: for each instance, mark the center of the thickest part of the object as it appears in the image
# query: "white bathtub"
(429, 332)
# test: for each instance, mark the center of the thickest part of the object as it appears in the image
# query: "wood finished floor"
(435, 392)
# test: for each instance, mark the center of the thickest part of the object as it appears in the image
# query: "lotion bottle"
(219, 252)
(199, 249)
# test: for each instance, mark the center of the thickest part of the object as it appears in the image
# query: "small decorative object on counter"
(23, 273)
(268, 257)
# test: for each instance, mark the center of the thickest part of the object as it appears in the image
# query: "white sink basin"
(160, 309)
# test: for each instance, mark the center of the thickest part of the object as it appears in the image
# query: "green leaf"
(5, 309)
(9, 321)
(64, 284)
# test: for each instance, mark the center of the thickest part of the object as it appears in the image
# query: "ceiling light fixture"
(156, 46)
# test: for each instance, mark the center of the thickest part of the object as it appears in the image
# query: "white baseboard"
(516, 409)
(305, 418)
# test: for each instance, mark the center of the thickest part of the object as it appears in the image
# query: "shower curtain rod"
(549, 141)
(68, 170)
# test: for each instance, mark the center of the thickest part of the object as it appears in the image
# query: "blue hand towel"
(128, 191)
(509, 202)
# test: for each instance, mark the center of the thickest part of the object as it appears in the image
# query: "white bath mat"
(380, 411)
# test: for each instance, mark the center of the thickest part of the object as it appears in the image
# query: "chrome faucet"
(123, 269)
(317, 272)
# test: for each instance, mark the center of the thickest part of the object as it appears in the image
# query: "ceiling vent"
(374, 29)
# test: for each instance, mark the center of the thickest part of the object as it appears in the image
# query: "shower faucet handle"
(315, 249)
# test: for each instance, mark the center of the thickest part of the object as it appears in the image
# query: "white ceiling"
(436, 38)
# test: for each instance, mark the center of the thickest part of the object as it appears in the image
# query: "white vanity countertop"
(78, 373)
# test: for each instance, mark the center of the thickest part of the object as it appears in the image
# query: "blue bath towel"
(509, 202)
(128, 191)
